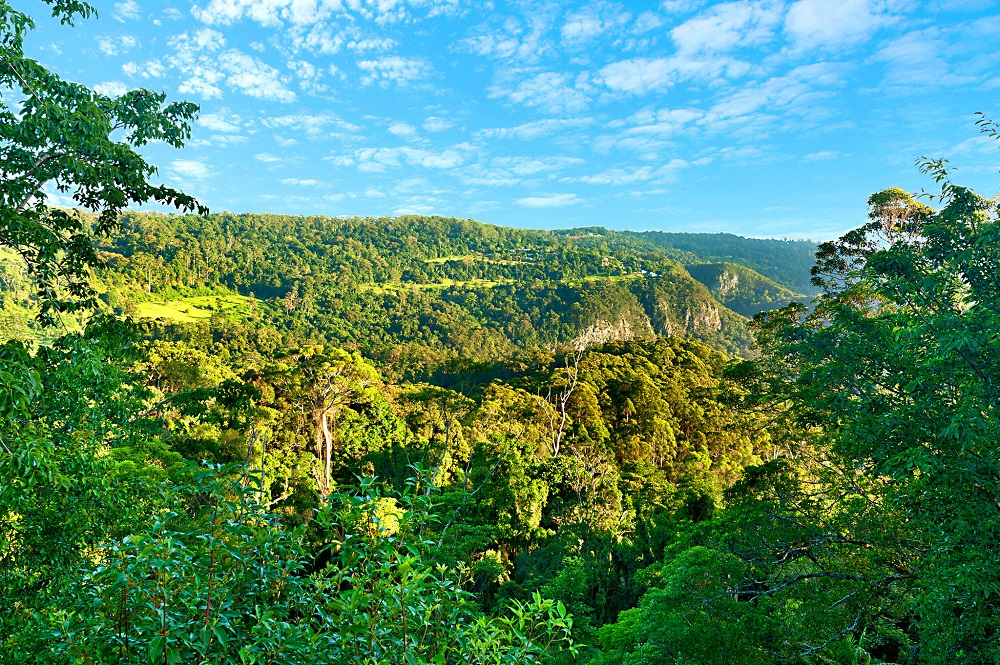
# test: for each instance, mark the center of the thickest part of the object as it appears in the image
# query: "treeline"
(418, 293)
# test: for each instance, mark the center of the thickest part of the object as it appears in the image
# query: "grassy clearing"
(195, 308)
(394, 287)
(464, 257)
(172, 310)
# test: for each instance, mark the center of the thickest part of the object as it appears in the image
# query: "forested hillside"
(419, 293)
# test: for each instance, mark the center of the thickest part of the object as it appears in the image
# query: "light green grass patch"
(394, 287)
(196, 308)
(464, 257)
(172, 310)
(227, 304)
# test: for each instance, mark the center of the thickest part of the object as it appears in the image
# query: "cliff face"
(741, 289)
(671, 304)
(603, 331)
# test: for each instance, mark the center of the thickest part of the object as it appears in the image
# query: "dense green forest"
(267, 439)
(421, 295)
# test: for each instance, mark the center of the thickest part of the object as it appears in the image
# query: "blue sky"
(761, 118)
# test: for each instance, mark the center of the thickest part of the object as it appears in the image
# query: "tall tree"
(60, 136)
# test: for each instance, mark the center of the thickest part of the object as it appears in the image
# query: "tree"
(58, 134)
(894, 377)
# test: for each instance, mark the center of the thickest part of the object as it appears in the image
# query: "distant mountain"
(787, 262)
(741, 289)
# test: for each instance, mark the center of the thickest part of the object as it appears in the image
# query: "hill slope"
(741, 289)
(420, 292)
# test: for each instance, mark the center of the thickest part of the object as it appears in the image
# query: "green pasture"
(195, 308)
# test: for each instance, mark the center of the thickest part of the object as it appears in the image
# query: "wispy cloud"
(405, 131)
(640, 76)
(207, 65)
(223, 121)
(312, 125)
(190, 168)
(536, 128)
(626, 176)
(152, 69)
(552, 91)
(394, 70)
(510, 171)
(594, 20)
(729, 25)
(822, 23)
(126, 11)
(115, 45)
(374, 160)
(523, 40)
(821, 156)
(437, 124)
(111, 88)
(551, 201)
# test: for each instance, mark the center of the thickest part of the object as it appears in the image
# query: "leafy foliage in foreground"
(63, 134)
(144, 558)
(876, 538)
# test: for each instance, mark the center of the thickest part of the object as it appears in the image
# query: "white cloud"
(918, 59)
(268, 158)
(553, 201)
(536, 128)
(727, 26)
(778, 98)
(221, 122)
(508, 171)
(643, 75)
(818, 23)
(393, 69)
(648, 132)
(319, 39)
(299, 182)
(191, 57)
(511, 40)
(126, 10)
(205, 66)
(552, 91)
(821, 156)
(111, 88)
(371, 44)
(153, 69)
(253, 77)
(190, 168)
(437, 124)
(376, 160)
(418, 205)
(116, 45)
(309, 76)
(681, 6)
(647, 21)
(404, 131)
(592, 21)
(312, 125)
(227, 12)
(626, 176)
(311, 12)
